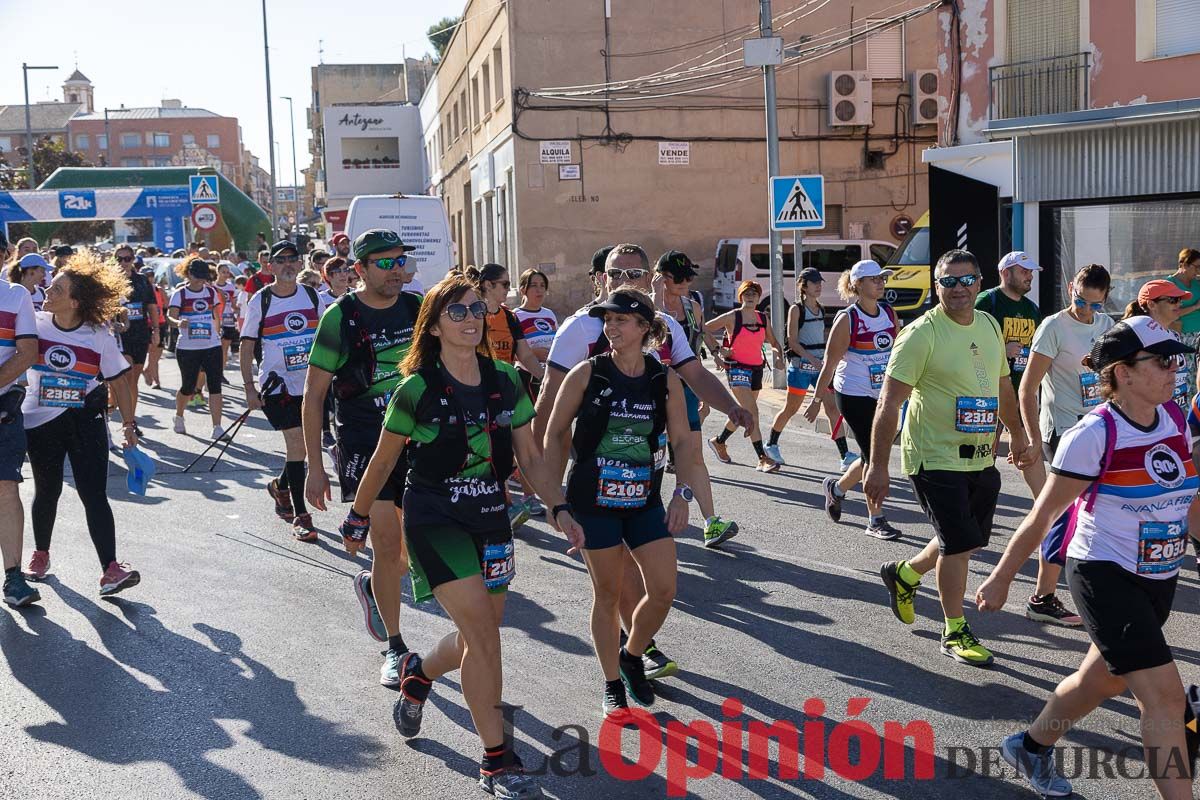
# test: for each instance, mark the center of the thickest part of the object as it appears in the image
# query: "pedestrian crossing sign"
(798, 202)
(203, 189)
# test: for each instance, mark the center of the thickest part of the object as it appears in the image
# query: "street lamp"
(29, 122)
(295, 179)
(270, 119)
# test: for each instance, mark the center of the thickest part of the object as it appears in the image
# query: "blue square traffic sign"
(204, 189)
(798, 202)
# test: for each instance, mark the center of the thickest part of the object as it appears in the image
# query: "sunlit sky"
(208, 54)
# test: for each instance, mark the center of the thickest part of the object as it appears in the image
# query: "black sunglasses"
(125, 259)
(950, 281)
(457, 312)
(285, 259)
(1166, 362)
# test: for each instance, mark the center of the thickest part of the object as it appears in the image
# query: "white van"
(749, 259)
(419, 220)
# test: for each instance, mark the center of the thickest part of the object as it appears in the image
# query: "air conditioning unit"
(924, 97)
(849, 99)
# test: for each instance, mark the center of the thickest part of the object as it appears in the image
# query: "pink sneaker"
(118, 577)
(39, 565)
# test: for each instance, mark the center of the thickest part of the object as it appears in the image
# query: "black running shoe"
(509, 783)
(833, 503)
(615, 700)
(633, 673)
(414, 691)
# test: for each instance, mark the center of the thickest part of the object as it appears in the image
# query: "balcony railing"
(1043, 86)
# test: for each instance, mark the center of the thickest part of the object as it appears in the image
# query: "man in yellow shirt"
(952, 368)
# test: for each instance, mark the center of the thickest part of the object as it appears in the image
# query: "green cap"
(375, 240)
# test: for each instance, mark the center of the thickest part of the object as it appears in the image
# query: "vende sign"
(556, 152)
(674, 154)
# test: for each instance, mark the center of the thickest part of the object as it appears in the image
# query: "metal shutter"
(885, 52)
(1176, 27)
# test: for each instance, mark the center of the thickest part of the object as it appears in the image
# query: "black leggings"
(80, 435)
(859, 414)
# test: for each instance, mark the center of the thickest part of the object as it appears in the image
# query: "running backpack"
(1058, 539)
(357, 375)
(591, 422)
(449, 452)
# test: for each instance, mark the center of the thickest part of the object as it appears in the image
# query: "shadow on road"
(111, 715)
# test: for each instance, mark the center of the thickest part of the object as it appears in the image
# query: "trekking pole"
(273, 380)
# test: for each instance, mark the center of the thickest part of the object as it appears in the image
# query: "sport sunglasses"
(388, 264)
(1081, 303)
(457, 312)
(626, 274)
(950, 281)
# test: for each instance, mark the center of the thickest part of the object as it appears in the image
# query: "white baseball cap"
(1019, 258)
(867, 269)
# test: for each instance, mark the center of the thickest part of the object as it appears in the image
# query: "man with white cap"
(1019, 319)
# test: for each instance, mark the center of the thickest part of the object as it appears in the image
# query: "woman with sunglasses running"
(1161, 301)
(459, 540)
(1127, 468)
(856, 358)
(1068, 388)
(747, 330)
(506, 341)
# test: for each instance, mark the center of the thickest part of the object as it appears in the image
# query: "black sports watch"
(554, 512)
(684, 491)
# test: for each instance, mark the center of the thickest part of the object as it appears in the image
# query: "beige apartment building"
(540, 162)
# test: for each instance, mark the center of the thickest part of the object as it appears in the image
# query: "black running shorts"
(1124, 613)
(282, 410)
(859, 414)
(353, 451)
(190, 364)
(959, 504)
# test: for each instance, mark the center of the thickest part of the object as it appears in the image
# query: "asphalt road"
(239, 668)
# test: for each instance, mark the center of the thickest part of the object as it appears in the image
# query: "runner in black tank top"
(675, 300)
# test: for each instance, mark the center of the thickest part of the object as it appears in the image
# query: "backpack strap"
(499, 436)
(1110, 444)
(737, 325)
(592, 417)
(658, 389)
(264, 303)
(1176, 414)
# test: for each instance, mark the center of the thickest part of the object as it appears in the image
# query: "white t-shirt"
(1069, 389)
(39, 297)
(70, 365)
(198, 328)
(229, 310)
(580, 338)
(1139, 520)
(287, 335)
(17, 321)
(538, 326)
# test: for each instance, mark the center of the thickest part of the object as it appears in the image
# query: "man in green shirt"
(1019, 318)
(955, 400)
(360, 341)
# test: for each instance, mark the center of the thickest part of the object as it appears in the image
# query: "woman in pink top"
(746, 330)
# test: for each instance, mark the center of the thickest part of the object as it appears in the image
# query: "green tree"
(440, 33)
(48, 155)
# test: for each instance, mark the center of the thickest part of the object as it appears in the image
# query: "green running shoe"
(718, 531)
(963, 647)
(901, 593)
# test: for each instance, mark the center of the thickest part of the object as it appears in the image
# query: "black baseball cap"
(811, 275)
(676, 264)
(1131, 336)
(622, 302)
(200, 268)
(284, 246)
(64, 250)
(599, 258)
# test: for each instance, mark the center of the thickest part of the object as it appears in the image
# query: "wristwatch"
(684, 491)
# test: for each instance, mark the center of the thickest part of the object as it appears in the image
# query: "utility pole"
(29, 124)
(270, 124)
(776, 244)
(295, 174)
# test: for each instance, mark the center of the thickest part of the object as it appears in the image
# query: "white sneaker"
(179, 425)
(218, 432)
(848, 460)
(772, 450)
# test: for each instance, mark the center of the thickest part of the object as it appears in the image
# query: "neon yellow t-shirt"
(955, 372)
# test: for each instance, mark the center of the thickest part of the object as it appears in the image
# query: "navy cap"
(599, 258)
(284, 246)
(811, 275)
